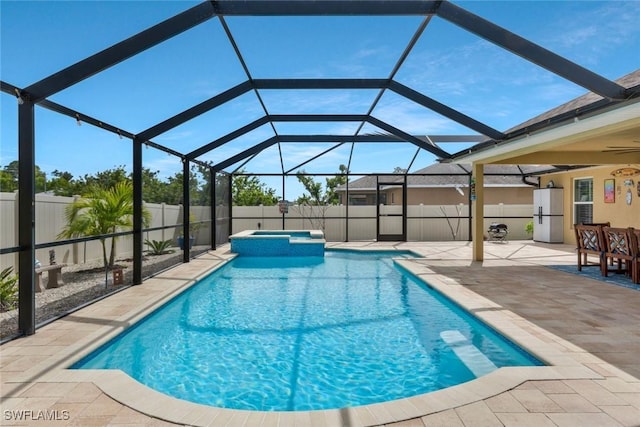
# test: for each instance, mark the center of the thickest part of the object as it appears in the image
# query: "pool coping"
(564, 359)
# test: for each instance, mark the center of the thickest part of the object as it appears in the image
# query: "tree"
(399, 170)
(314, 203)
(203, 197)
(153, 189)
(106, 179)
(63, 184)
(9, 178)
(103, 211)
(173, 193)
(249, 191)
(315, 195)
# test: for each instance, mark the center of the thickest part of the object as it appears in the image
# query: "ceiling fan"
(619, 149)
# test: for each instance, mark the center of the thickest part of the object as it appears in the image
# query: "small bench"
(54, 274)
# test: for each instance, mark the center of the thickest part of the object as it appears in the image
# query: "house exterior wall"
(618, 213)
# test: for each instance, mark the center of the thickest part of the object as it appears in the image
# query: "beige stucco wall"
(619, 213)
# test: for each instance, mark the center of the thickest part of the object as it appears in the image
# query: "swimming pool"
(303, 333)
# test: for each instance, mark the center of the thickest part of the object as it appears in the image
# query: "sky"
(448, 64)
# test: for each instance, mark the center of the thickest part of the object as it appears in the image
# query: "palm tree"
(102, 211)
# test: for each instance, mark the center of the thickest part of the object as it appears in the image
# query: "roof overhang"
(587, 140)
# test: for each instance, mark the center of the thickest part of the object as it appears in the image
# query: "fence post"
(16, 211)
(162, 220)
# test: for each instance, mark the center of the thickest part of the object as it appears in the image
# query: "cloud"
(174, 136)
(318, 102)
(411, 117)
(166, 165)
(592, 34)
(328, 162)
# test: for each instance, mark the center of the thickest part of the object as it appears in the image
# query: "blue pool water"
(305, 333)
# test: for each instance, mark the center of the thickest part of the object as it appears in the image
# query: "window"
(583, 200)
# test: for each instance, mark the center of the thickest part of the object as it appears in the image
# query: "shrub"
(8, 289)
(158, 247)
(528, 227)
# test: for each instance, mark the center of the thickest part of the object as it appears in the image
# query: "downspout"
(532, 184)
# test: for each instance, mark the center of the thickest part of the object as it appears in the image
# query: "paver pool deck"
(586, 330)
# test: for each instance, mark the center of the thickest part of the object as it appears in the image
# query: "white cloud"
(591, 35)
(174, 136)
(411, 117)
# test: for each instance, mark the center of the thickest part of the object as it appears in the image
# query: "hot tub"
(278, 243)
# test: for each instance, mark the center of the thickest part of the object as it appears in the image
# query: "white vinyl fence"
(424, 223)
(50, 220)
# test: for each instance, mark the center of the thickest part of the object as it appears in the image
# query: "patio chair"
(601, 224)
(635, 251)
(590, 241)
(618, 249)
(498, 232)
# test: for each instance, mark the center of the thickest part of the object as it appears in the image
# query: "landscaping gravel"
(84, 283)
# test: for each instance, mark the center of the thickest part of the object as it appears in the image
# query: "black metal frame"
(39, 92)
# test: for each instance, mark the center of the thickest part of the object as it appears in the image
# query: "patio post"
(477, 196)
(26, 221)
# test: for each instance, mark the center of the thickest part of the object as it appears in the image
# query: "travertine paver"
(447, 418)
(573, 403)
(584, 420)
(505, 402)
(525, 420)
(478, 414)
(625, 415)
(583, 314)
(594, 392)
(535, 401)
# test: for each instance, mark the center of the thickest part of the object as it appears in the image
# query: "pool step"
(468, 353)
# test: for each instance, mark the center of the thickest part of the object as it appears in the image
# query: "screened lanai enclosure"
(136, 144)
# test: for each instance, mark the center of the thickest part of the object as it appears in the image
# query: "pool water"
(305, 333)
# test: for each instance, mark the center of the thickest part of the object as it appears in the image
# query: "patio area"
(587, 330)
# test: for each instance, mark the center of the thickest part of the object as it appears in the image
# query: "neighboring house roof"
(453, 175)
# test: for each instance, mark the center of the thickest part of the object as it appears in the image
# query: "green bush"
(8, 289)
(528, 227)
(158, 247)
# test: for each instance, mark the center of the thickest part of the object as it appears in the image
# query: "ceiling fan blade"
(627, 151)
